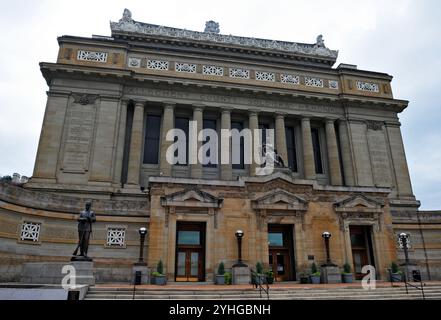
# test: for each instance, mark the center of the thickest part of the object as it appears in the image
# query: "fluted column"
(134, 167)
(334, 160)
(167, 124)
(281, 138)
(348, 168)
(308, 152)
(226, 169)
(253, 125)
(196, 168)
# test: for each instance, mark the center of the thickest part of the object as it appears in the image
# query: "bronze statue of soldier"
(85, 220)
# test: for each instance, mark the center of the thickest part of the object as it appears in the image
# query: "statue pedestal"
(331, 274)
(145, 273)
(408, 269)
(84, 272)
(241, 275)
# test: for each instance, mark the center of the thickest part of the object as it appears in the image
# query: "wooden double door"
(281, 252)
(190, 252)
(362, 251)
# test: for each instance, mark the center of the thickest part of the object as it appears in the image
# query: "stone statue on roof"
(127, 16)
(320, 43)
(212, 27)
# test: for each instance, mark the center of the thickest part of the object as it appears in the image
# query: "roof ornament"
(320, 43)
(212, 27)
(127, 16)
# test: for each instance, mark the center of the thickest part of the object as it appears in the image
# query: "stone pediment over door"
(359, 203)
(191, 198)
(359, 210)
(280, 200)
(277, 204)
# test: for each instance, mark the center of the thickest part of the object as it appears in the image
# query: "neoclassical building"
(110, 103)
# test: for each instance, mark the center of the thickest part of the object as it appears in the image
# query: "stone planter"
(220, 279)
(347, 277)
(314, 279)
(396, 277)
(304, 280)
(159, 280)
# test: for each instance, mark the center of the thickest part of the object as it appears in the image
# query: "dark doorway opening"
(281, 252)
(362, 249)
(190, 252)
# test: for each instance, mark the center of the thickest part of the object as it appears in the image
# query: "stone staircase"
(432, 292)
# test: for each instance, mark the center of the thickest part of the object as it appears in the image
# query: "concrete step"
(342, 293)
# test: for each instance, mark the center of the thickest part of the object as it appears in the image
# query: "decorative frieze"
(289, 78)
(265, 76)
(157, 64)
(30, 231)
(84, 99)
(368, 86)
(185, 67)
(314, 82)
(333, 84)
(134, 62)
(239, 73)
(116, 237)
(95, 56)
(213, 71)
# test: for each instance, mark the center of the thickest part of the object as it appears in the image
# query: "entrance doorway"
(190, 252)
(281, 252)
(362, 252)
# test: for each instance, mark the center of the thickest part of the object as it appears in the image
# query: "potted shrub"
(396, 274)
(304, 279)
(158, 276)
(228, 278)
(347, 275)
(269, 276)
(220, 277)
(261, 277)
(315, 274)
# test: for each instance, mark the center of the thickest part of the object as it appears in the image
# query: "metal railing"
(256, 281)
(403, 278)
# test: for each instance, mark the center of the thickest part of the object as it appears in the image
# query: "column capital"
(280, 114)
(331, 120)
(198, 107)
(226, 109)
(139, 104)
(253, 112)
(306, 118)
(168, 105)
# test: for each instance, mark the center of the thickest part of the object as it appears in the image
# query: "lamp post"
(239, 235)
(404, 242)
(327, 235)
(142, 233)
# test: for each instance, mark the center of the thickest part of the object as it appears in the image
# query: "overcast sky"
(399, 37)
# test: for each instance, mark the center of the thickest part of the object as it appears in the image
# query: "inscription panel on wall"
(79, 137)
(379, 158)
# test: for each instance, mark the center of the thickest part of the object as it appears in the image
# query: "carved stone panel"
(379, 158)
(80, 123)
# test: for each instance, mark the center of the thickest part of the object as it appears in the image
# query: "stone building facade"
(111, 102)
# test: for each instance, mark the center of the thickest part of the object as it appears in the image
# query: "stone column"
(281, 138)
(333, 156)
(134, 167)
(226, 169)
(348, 168)
(167, 124)
(253, 125)
(308, 151)
(119, 154)
(196, 169)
